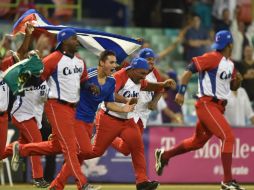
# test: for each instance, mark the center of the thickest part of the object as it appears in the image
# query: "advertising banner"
(203, 165)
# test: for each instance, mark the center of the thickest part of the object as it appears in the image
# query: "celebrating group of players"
(117, 103)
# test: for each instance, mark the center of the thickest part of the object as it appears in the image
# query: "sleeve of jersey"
(144, 84)
(50, 64)
(158, 77)
(84, 75)
(111, 96)
(207, 61)
(6, 63)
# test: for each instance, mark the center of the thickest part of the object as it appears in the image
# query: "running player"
(147, 100)
(64, 72)
(217, 76)
(26, 116)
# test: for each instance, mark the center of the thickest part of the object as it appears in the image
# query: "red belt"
(215, 100)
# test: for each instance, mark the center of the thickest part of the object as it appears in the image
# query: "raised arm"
(169, 83)
(23, 49)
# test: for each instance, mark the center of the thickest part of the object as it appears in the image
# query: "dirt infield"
(130, 187)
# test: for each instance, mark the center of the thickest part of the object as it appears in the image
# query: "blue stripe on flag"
(110, 45)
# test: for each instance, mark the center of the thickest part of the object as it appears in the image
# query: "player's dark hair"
(104, 55)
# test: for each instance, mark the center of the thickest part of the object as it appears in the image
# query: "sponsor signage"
(203, 165)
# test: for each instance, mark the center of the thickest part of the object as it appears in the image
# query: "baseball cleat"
(15, 157)
(90, 187)
(232, 185)
(148, 185)
(40, 183)
(159, 163)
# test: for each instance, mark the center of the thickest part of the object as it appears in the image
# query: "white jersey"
(4, 95)
(215, 74)
(31, 105)
(141, 109)
(238, 110)
(63, 75)
(128, 89)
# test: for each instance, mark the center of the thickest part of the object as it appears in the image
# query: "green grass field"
(129, 187)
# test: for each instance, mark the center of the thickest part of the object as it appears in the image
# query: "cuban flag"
(93, 40)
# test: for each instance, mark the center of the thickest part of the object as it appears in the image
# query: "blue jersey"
(88, 103)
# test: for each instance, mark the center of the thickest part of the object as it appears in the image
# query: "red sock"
(226, 159)
(179, 149)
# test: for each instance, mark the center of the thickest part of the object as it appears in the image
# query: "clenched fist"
(169, 83)
(179, 99)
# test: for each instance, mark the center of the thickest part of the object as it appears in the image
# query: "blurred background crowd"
(175, 30)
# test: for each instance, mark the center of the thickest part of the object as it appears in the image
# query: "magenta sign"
(203, 165)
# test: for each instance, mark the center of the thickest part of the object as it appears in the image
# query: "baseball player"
(147, 100)
(27, 116)
(64, 72)
(217, 76)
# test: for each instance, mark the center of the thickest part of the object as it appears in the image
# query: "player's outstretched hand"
(29, 28)
(33, 53)
(128, 107)
(179, 99)
(170, 83)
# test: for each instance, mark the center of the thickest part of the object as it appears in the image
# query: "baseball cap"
(222, 39)
(146, 53)
(138, 63)
(64, 34)
(173, 75)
